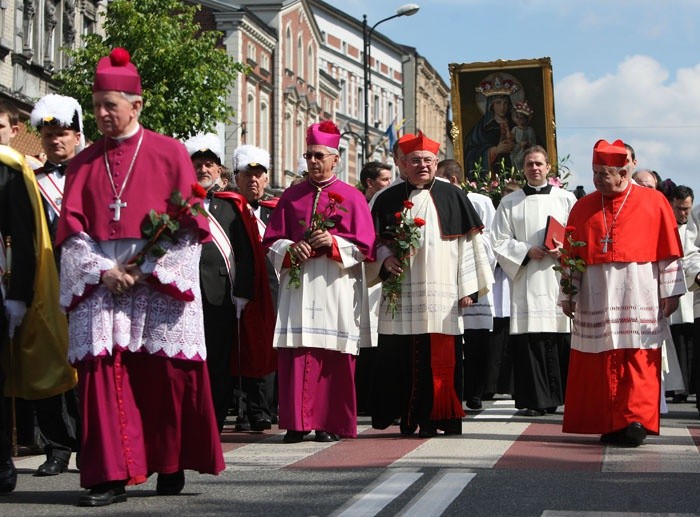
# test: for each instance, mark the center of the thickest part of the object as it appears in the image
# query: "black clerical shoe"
(170, 484)
(534, 412)
(407, 430)
(260, 424)
(8, 476)
(324, 437)
(610, 438)
(474, 403)
(55, 465)
(427, 431)
(242, 425)
(294, 436)
(104, 494)
(634, 434)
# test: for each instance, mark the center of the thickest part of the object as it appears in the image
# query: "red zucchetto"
(610, 155)
(419, 142)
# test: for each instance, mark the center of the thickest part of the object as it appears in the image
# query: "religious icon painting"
(501, 108)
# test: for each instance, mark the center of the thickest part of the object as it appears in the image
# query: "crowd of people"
(147, 291)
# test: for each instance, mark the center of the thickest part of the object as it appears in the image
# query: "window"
(264, 123)
(300, 56)
(288, 52)
(311, 66)
(250, 116)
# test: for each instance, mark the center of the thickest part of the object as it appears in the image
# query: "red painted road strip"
(371, 448)
(545, 447)
(695, 433)
(231, 440)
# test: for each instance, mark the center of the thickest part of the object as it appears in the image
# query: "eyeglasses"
(318, 155)
(420, 161)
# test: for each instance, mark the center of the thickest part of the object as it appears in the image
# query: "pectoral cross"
(605, 242)
(117, 207)
(313, 309)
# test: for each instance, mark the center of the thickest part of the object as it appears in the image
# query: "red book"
(553, 231)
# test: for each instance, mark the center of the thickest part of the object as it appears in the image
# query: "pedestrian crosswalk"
(493, 438)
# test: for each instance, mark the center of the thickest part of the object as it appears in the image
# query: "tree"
(186, 79)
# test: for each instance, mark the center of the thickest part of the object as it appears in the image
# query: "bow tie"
(57, 168)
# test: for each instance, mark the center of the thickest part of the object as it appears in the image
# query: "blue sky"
(622, 69)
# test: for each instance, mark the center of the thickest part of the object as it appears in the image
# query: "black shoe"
(52, 467)
(679, 399)
(634, 434)
(294, 436)
(534, 412)
(103, 495)
(614, 437)
(551, 410)
(407, 430)
(324, 437)
(242, 425)
(474, 403)
(260, 425)
(427, 431)
(170, 484)
(8, 476)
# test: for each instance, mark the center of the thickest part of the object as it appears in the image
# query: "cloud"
(643, 103)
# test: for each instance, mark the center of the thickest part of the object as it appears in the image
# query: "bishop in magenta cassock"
(136, 334)
(317, 334)
(630, 287)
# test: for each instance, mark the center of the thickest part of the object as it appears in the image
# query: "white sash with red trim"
(52, 190)
(223, 244)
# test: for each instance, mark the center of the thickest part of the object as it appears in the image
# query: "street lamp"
(404, 10)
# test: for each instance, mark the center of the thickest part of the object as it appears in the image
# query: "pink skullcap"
(418, 142)
(117, 73)
(325, 133)
(610, 155)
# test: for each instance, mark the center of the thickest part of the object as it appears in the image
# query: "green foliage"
(571, 267)
(186, 79)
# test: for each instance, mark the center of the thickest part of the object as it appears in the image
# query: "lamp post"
(404, 10)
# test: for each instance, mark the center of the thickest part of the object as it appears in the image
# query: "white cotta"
(142, 318)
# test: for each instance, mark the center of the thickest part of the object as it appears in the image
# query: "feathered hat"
(249, 157)
(61, 111)
(205, 145)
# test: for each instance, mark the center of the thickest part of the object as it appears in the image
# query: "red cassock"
(613, 382)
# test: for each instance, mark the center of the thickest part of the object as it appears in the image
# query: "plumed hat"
(419, 142)
(249, 156)
(610, 155)
(302, 166)
(205, 145)
(61, 111)
(325, 133)
(116, 72)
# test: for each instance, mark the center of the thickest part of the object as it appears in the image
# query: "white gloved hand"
(240, 305)
(15, 311)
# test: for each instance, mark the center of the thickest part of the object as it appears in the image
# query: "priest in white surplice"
(417, 374)
(317, 333)
(630, 287)
(539, 331)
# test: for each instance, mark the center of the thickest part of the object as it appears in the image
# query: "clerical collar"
(126, 136)
(324, 183)
(539, 189)
(410, 187)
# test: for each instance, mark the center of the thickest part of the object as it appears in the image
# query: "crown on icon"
(497, 86)
(524, 108)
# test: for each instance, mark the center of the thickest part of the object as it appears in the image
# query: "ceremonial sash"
(50, 190)
(223, 244)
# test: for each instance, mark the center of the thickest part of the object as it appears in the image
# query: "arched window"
(251, 125)
(288, 51)
(300, 56)
(311, 65)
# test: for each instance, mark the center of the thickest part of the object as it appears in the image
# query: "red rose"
(198, 191)
(398, 216)
(419, 222)
(570, 229)
(408, 204)
(333, 196)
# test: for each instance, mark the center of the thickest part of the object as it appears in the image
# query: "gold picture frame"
(475, 131)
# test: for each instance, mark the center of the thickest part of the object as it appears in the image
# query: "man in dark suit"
(59, 121)
(230, 292)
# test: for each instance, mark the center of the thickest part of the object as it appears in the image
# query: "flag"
(391, 133)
